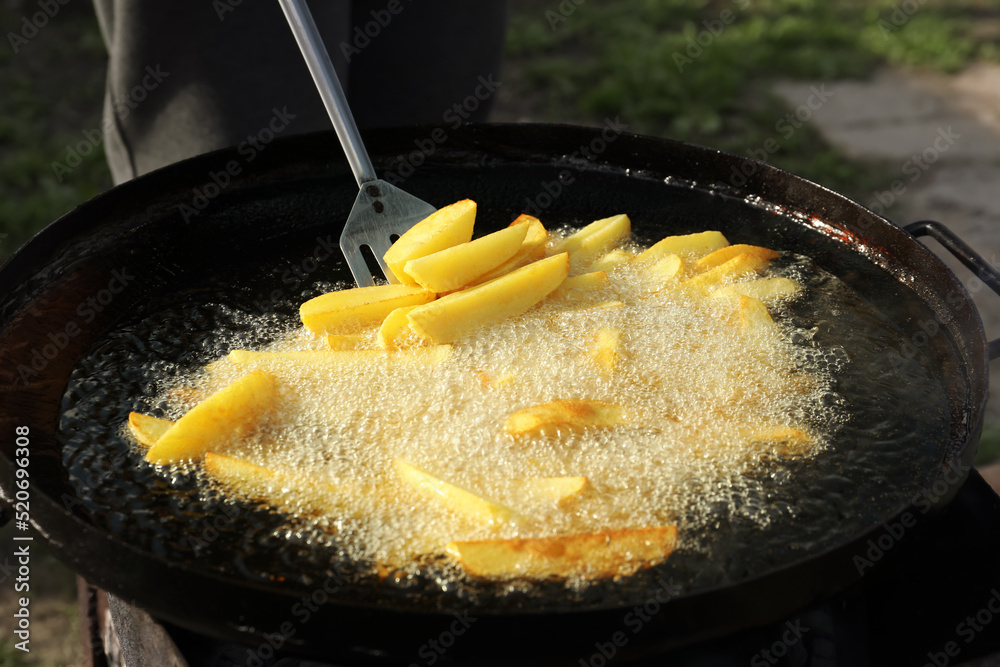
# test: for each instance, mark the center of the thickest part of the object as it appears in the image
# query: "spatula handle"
(325, 76)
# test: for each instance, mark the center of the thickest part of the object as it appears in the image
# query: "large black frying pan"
(124, 287)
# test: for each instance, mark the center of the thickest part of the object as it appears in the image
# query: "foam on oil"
(696, 385)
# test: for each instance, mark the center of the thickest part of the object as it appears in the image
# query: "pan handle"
(961, 250)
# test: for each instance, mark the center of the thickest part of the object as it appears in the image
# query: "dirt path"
(944, 133)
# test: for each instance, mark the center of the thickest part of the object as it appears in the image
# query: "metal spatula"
(382, 212)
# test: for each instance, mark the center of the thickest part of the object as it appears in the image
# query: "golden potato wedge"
(348, 342)
(146, 429)
(753, 316)
(565, 414)
(596, 237)
(282, 490)
(606, 349)
(592, 308)
(601, 237)
(488, 380)
(350, 310)
(765, 289)
(395, 332)
(455, 267)
(532, 249)
(580, 284)
(740, 265)
(611, 259)
(560, 490)
(788, 441)
(666, 268)
(723, 255)
(601, 554)
(453, 316)
(442, 229)
(235, 409)
(455, 498)
(690, 246)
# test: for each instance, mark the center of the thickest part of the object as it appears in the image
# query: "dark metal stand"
(927, 601)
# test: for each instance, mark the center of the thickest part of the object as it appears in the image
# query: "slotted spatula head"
(381, 214)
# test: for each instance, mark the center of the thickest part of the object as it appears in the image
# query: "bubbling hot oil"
(693, 380)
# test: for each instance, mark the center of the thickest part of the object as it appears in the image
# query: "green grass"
(698, 71)
(989, 444)
(52, 93)
(11, 656)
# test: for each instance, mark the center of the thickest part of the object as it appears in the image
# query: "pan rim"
(48, 238)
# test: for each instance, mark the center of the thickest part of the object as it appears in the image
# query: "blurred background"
(847, 93)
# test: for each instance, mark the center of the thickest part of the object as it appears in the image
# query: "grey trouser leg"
(190, 76)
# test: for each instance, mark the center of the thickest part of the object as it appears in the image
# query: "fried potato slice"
(666, 268)
(395, 330)
(753, 316)
(455, 267)
(606, 350)
(442, 229)
(147, 429)
(581, 283)
(348, 342)
(236, 408)
(598, 236)
(740, 265)
(764, 289)
(454, 497)
(560, 490)
(532, 249)
(601, 554)
(565, 413)
(603, 235)
(350, 310)
(723, 255)
(453, 316)
(611, 259)
(494, 380)
(788, 441)
(282, 490)
(686, 245)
